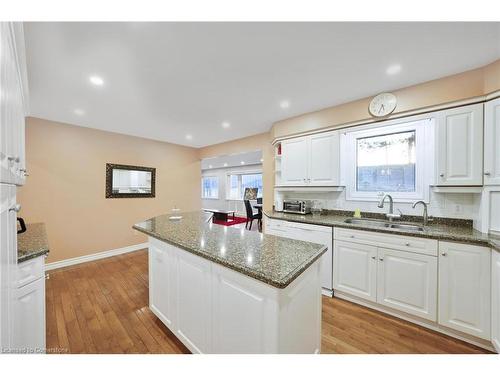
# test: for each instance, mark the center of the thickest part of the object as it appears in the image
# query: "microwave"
(297, 207)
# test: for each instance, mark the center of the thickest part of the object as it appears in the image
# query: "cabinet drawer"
(30, 271)
(275, 225)
(406, 243)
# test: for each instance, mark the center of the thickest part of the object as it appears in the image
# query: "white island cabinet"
(213, 309)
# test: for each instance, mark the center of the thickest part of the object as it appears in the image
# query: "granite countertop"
(276, 261)
(445, 229)
(32, 243)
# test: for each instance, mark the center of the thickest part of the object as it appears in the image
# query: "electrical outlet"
(458, 209)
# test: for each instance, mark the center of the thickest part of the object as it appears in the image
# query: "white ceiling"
(233, 160)
(166, 80)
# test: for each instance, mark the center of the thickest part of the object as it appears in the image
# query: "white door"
(464, 288)
(29, 317)
(8, 260)
(324, 158)
(355, 269)
(407, 282)
(161, 287)
(193, 301)
(320, 235)
(495, 299)
(460, 146)
(294, 161)
(492, 142)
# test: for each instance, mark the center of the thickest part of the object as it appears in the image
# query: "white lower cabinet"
(355, 269)
(495, 300)
(407, 282)
(464, 288)
(319, 234)
(29, 317)
(213, 309)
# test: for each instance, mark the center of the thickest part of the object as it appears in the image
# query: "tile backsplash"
(455, 205)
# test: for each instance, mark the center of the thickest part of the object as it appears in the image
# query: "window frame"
(218, 186)
(239, 173)
(424, 127)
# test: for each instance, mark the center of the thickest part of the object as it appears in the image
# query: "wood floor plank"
(102, 307)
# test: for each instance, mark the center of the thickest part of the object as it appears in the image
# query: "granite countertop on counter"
(276, 261)
(32, 243)
(445, 229)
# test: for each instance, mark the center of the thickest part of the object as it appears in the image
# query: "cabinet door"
(29, 317)
(324, 158)
(495, 301)
(161, 283)
(355, 269)
(193, 300)
(407, 282)
(294, 161)
(460, 146)
(464, 288)
(492, 142)
(322, 236)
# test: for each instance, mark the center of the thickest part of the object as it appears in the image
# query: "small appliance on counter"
(297, 206)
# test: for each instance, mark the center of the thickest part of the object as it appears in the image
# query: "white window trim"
(218, 186)
(423, 125)
(238, 172)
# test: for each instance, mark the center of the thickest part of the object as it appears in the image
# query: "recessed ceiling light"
(226, 125)
(96, 80)
(393, 69)
(189, 137)
(261, 160)
(210, 166)
(79, 112)
(242, 162)
(284, 104)
(225, 164)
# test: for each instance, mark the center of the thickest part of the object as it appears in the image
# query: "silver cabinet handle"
(25, 172)
(441, 175)
(15, 159)
(374, 257)
(407, 244)
(443, 254)
(487, 173)
(381, 259)
(15, 208)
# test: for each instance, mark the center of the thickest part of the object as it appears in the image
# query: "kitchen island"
(228, 290)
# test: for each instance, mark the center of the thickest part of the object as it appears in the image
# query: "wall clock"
(382, 104)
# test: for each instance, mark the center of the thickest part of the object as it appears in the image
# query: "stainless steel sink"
(416, 228)
(368, 222)
(384, 224)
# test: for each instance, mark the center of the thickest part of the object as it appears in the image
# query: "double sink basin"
(384, 224)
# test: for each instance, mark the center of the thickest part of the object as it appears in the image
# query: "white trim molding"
(96, 256)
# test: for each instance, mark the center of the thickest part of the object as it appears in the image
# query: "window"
(238, 182)
(396, 158)
(386, 162)
(210, 187)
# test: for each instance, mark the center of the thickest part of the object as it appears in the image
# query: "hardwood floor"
(102, 307)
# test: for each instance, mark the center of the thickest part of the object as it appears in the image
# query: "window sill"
(213, 199)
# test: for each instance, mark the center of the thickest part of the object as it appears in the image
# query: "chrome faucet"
(425, 215)
(390, 215)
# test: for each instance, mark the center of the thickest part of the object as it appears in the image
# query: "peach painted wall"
(66, 186)
(256, 142)
(444, 90)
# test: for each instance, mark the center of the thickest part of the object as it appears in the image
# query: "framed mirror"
(129, 181)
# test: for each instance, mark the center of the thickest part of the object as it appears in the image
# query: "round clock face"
(382, 104)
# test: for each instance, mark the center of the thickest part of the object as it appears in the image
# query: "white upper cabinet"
(12, 107)
(464, 288)
(460, 146)
(294, 161)
(492, 142)
(324, 159)
(311, 161)
(407, 282)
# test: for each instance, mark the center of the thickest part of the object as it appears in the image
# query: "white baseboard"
(96, 256)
